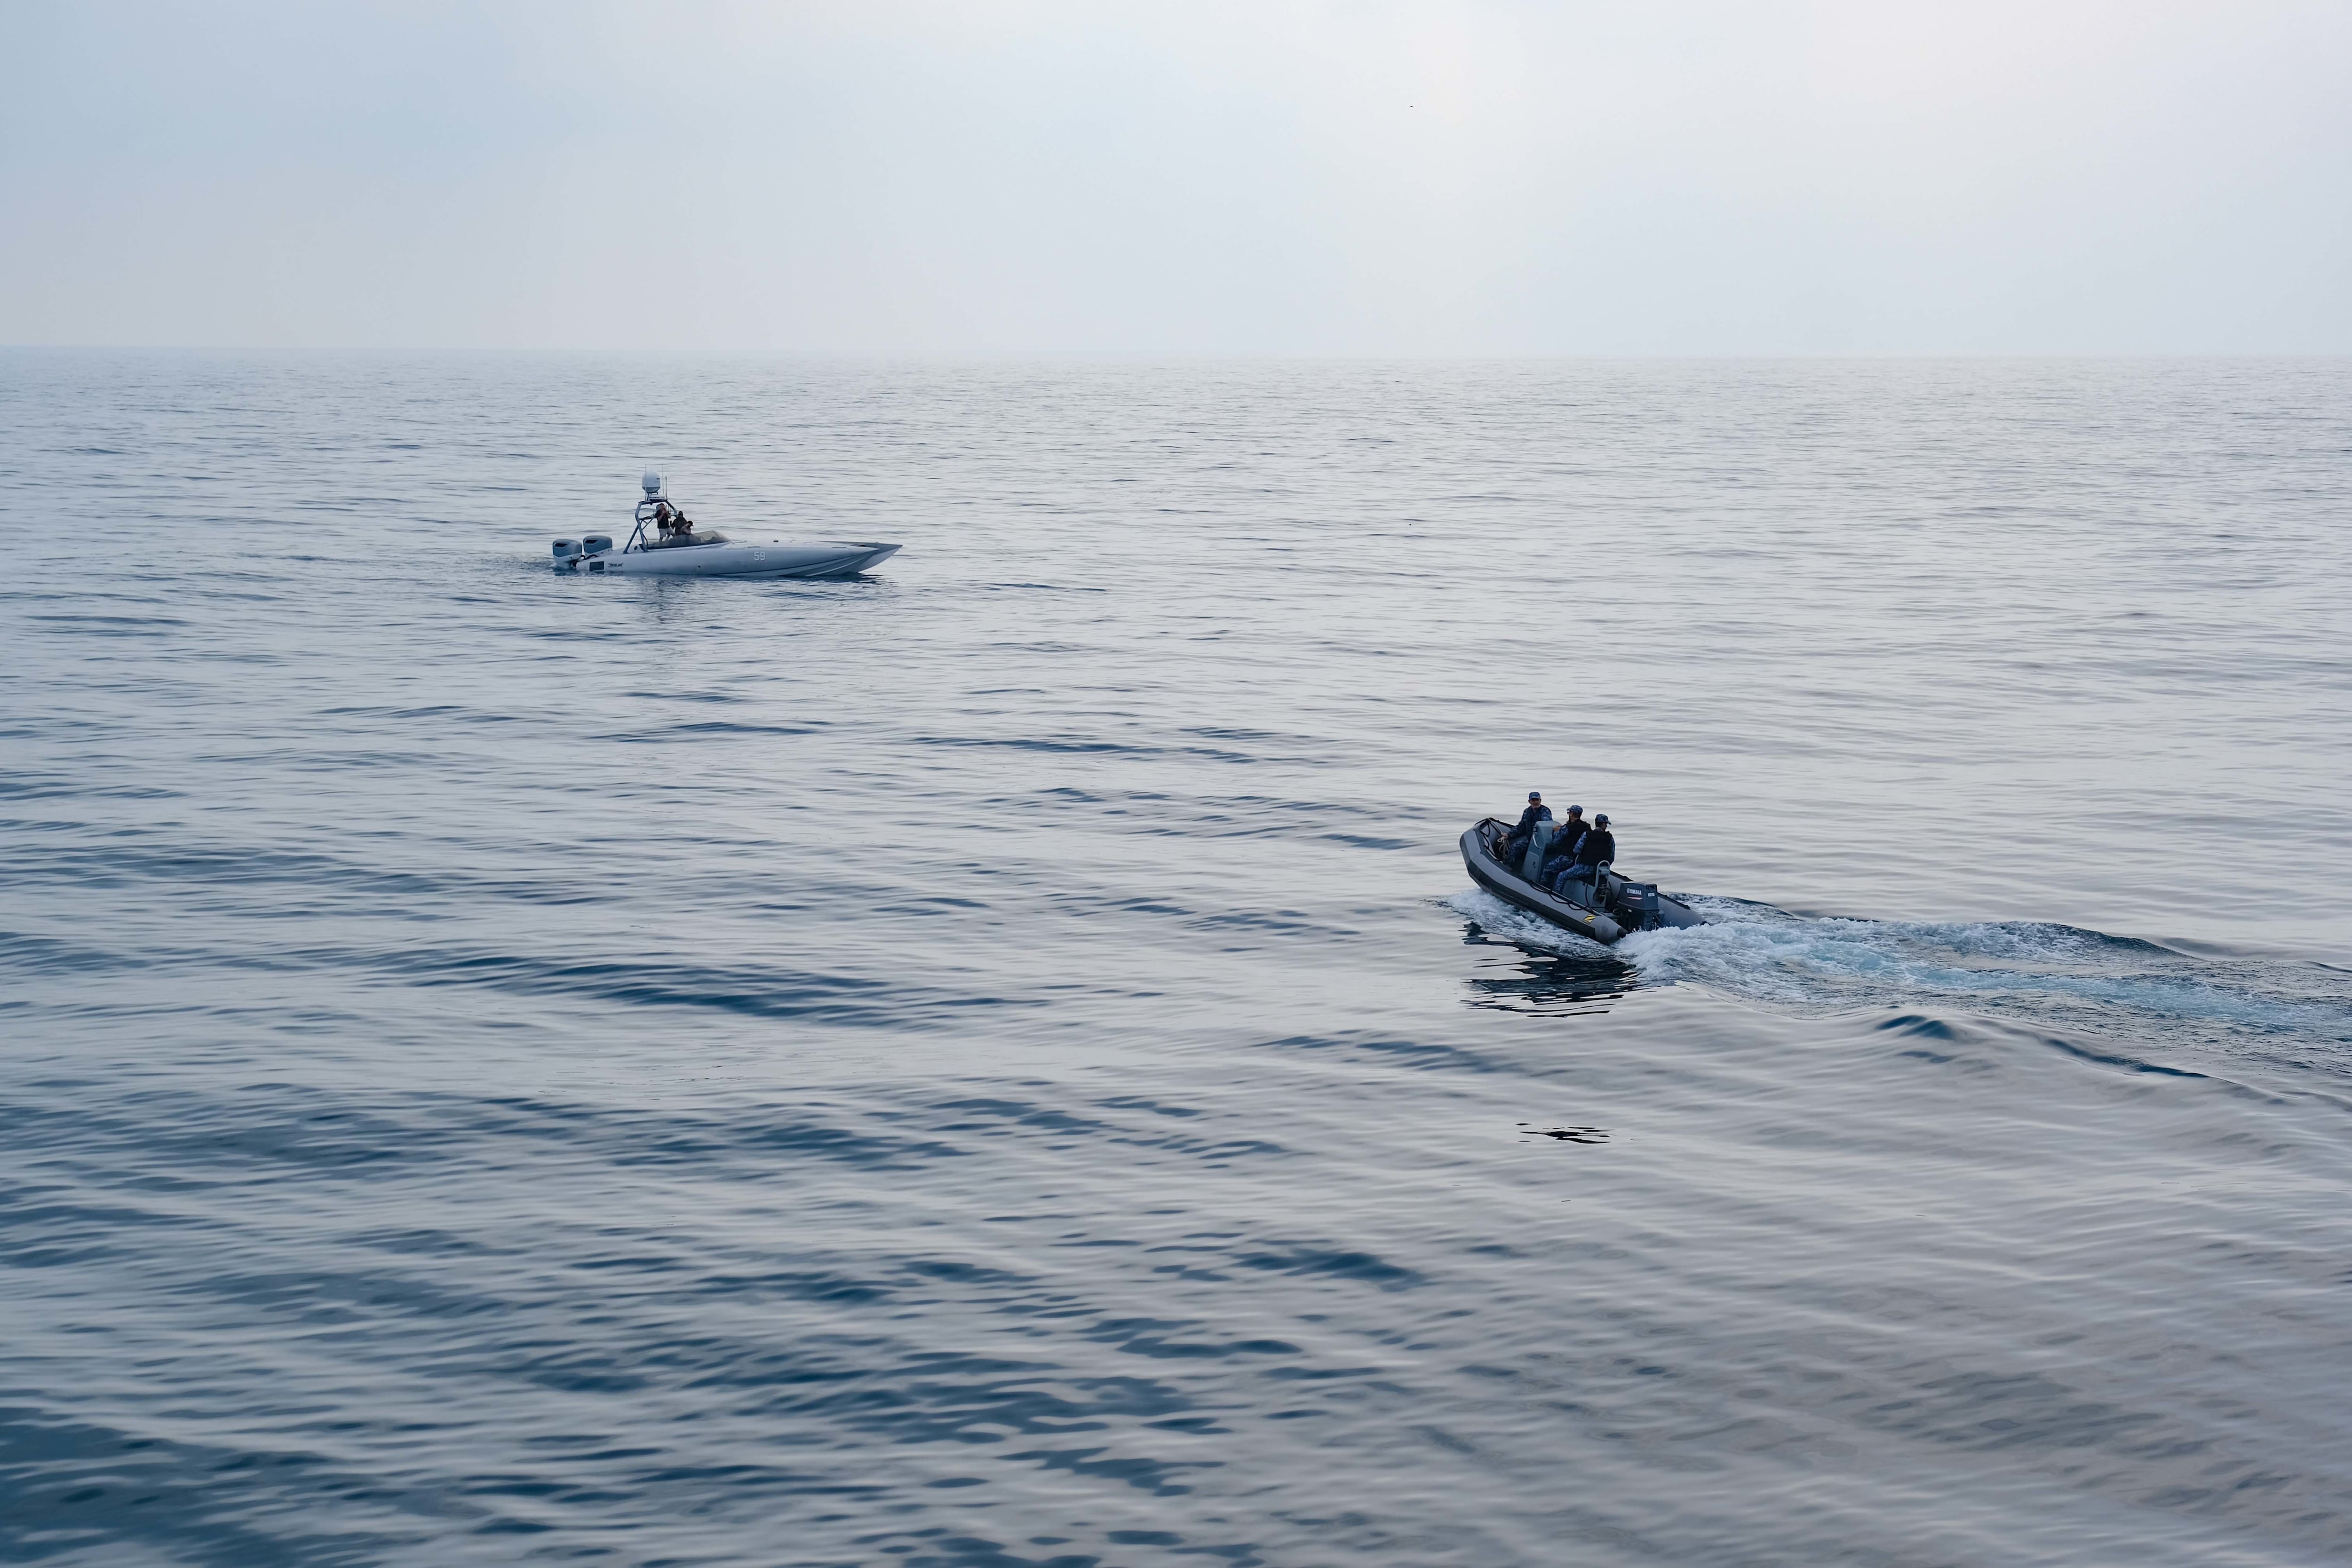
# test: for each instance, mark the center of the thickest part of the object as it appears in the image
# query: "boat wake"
(2052, 975)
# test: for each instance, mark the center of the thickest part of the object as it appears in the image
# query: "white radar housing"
(652, 482)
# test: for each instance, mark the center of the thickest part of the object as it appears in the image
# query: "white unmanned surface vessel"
(673, 548)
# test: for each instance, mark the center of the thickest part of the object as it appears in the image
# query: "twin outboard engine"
(571, 554)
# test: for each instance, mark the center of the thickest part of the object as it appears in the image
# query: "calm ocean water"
(997, 1062)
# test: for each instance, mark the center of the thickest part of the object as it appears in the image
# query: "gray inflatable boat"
(1604, 914)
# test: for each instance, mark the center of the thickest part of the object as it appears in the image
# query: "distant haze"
(1882, 177)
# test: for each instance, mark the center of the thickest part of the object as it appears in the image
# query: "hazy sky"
(1336, 177)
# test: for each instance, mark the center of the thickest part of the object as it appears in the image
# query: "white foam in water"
(1765, 955)
(1515, 925)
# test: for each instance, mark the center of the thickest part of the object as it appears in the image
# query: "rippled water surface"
(997, 1062)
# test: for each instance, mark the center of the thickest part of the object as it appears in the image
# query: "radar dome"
(652, 482)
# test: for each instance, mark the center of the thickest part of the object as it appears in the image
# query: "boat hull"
(1506, 883)
(760, 558)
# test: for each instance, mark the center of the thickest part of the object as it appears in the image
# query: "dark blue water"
(997, 1062)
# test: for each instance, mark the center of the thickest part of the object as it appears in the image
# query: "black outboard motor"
(1638, 903)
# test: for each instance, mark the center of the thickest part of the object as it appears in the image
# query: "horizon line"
(1332, 355)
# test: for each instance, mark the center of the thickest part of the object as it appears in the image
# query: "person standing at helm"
(673, 523)
(670, 525)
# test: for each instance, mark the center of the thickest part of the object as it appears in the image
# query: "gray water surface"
(997, 1062)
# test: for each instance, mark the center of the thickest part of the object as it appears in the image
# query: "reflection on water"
(1547, 983)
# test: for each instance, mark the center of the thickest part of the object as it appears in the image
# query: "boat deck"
(1606, 915)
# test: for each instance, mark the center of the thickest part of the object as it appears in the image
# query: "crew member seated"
(674, 526)
(1516, 839)
(1565, 839)
(1598, 849)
